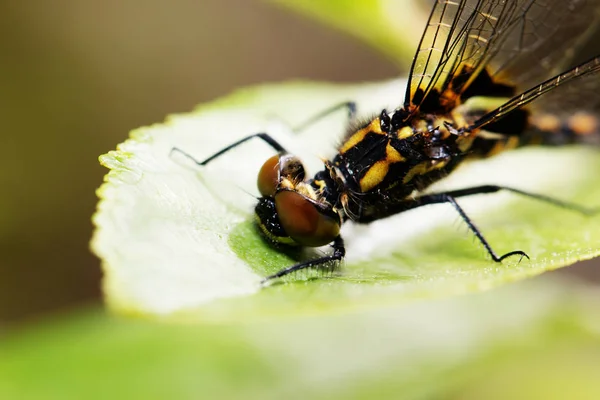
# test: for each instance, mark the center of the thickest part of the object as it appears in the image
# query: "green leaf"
(391, 26)
(534, 340)
(175, 237)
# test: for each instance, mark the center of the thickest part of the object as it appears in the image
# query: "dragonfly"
(488, 76)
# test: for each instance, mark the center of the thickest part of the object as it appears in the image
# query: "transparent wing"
(517, 43)
(542, 39)
(576, 90)
(581, 95)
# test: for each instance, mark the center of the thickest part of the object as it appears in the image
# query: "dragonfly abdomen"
(546, 129)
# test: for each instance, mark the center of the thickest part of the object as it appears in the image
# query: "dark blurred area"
(78, 75)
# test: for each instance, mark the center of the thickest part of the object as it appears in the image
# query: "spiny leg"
(448, 198)
(350, 107)
(339, 251)
(547, 199)
(263, 136)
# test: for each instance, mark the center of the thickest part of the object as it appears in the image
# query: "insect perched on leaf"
(487, 76)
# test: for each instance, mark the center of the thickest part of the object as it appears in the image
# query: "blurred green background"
(77, 75)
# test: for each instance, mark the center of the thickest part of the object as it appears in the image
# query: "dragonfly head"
(290, 211)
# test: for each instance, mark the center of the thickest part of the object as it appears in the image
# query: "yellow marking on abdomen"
(583, 123)
(546, 122)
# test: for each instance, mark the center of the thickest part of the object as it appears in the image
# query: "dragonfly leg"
(339, 251)
(263, 136)
(546, 199)
(350, 107)
(448, 198)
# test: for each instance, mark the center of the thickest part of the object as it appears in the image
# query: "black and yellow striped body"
(383, 162)
(376, 167)
(485, 78)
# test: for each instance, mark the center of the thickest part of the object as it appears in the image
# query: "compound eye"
(277, 169)
(303, 221)
(268, 176)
